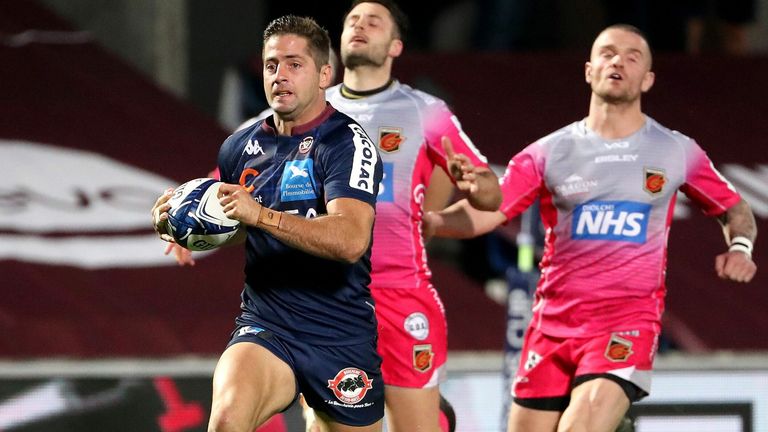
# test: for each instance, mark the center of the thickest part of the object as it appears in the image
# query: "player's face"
(619, 67)
(368, 38)
(292, 82)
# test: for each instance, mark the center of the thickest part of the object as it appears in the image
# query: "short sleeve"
(351, 165)
(522, 180)
(704, 184)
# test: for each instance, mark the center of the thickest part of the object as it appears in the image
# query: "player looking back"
(607, 186)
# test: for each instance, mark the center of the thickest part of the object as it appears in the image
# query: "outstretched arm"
(344, 234)
(740, 232)
(479, 184)
(461, 220)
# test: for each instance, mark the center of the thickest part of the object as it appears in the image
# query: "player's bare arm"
(461, 220)
(740, 233)
(342, 235)
(480, 184)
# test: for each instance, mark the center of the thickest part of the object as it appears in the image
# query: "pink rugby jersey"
(607, 207)
(407, 126)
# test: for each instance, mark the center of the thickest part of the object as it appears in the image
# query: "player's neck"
(614, 121)
(285, 125)
(367, 78)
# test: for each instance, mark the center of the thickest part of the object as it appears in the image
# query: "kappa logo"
(390, 139)
(350, 385)
(618, 349)
(611, 220)
(252, 147)
(655, 179)
(422, 357)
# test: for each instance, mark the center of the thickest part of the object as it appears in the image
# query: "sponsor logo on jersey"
(575, 184)
(350, 385)
(298, 181)
(616, 145)
(417, 325)
(618, 349)
(611, 220)
(616, 158)
(247, 178)
(363, 161)
(390, 139)
(386, 186)
(306, 144)
(252, 147)
(654, 181)
(422, 357)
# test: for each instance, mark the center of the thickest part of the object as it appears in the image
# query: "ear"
(588, 72)
(395, 48)
(648, 81)
(326, 74)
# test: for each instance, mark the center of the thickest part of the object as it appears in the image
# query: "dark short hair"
(318, 41)
(398, 16)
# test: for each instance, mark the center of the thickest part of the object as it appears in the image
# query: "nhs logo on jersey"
(386, 186)
(611, 220)
(298, 181)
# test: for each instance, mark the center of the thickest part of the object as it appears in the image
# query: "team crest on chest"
(390, 139)
(654, 180)
(306, 144)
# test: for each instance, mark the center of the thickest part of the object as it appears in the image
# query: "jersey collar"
(269, 123)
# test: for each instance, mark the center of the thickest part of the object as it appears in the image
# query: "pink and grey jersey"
(607, 207)
(407, 126)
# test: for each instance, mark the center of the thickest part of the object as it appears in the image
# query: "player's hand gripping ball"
(196, 220)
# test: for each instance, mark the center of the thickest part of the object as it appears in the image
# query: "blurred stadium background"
(103, 104)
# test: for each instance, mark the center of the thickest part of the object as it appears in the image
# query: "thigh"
(412, 336)
(250, 384)
(410, 409)
(341, 383)
(597, 405)
(625, 357)
(544, 377)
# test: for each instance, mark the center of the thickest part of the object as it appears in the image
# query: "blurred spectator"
(693, 26)
(720, 25)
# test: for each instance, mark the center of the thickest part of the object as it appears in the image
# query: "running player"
(607, 186)
(304, 181)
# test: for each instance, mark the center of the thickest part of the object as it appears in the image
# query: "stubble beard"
(356, 60)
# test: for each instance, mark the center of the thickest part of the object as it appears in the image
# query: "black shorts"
(344, 382)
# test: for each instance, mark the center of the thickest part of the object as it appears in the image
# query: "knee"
(224, 419)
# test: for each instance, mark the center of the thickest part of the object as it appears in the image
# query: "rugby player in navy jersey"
(304, 181)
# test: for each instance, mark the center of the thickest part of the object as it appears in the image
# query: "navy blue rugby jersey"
(288, 291)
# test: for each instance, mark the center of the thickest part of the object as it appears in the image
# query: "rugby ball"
(196, 220)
